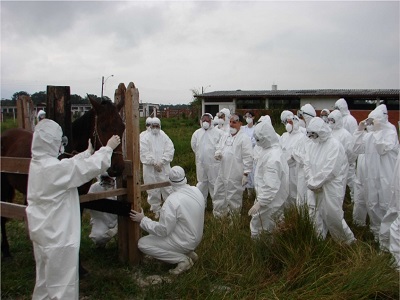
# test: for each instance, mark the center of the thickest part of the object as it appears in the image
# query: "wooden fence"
(128, 231)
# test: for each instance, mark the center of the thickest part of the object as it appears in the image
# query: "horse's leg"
(7, 195)
(5, 247)
(82, 271)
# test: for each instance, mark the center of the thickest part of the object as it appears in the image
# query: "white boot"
(182, 267)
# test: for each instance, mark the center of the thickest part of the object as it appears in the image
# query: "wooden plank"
(12, 210)
(101, 195)
(21, 165)
(15, 165)
(150, 186)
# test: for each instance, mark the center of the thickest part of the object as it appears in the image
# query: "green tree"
(195, 104)
(39, 97)
(20, 93)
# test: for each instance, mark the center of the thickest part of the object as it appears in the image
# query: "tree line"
(39, 98)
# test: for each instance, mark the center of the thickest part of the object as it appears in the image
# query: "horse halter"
(97, 137)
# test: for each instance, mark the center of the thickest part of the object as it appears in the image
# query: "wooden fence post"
(59, 108)
(25, 113)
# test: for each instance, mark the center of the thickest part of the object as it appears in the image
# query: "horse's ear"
(96, 106)
(121, 93)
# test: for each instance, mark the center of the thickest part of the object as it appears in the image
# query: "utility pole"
(102, 84)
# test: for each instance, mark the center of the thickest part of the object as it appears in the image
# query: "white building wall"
(319, 103)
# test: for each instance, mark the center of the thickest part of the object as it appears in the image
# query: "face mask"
(370, 128)
(233, 131)
(205, 125)
(155, 131)
(249, 120)
(289, 127)
(221, 121)
(325, 118)
(331, 125)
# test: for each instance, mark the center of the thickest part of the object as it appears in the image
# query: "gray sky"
(168, 48)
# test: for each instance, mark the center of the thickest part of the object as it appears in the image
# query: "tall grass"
(289, 263)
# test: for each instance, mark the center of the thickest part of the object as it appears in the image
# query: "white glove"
(218, 155)
(90, 147)
(158, 167)
(114, 141)
(245, 180)
(362, 126)
(255, 209)
(314, 189)
(136, 216)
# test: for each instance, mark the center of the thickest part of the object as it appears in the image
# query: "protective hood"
(341, 104)
(265, 118)
(156, 120)
(46, 139)
(383, 108)
(325, 110)
(285, 115)
(177, 177)
(308, 110)
(265, 135)
(148, 120)
(227, 114)
(337, 116)
(318, 126)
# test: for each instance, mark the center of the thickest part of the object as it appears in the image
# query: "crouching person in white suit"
(179, 231)
(104, 225)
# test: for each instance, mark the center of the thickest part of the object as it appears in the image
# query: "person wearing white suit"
(204, 142)
(326, 169)
(236, 154)
(179, 231)
(271, 181)
(53, 210)
(156, 153)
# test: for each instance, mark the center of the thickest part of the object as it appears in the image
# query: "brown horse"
(98, 124)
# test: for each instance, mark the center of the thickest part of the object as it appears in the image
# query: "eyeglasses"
(330, 120)
(155, 126)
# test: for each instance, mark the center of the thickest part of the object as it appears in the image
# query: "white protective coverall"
(180, 228)
(104, 225)
(204, 144)
(288, 141)
(53, 210)
(225, 124)
(392, 214)
(380, 147)
(148, 128)
(307, 111)
(360, 205)
(250, 131)
(349, 122)
(156, 148)
(326, 169)
(271, 180)
(237, 159)
(346, 139)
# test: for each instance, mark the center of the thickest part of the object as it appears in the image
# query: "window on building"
(284, 104)
(250, 104)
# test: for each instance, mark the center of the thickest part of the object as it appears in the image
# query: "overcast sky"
(168, 48)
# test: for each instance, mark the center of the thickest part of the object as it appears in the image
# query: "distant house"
(148, 109)
(357, 99)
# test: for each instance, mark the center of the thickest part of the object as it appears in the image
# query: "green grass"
(289, 263)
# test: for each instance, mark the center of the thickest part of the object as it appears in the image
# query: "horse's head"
(108, 122)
